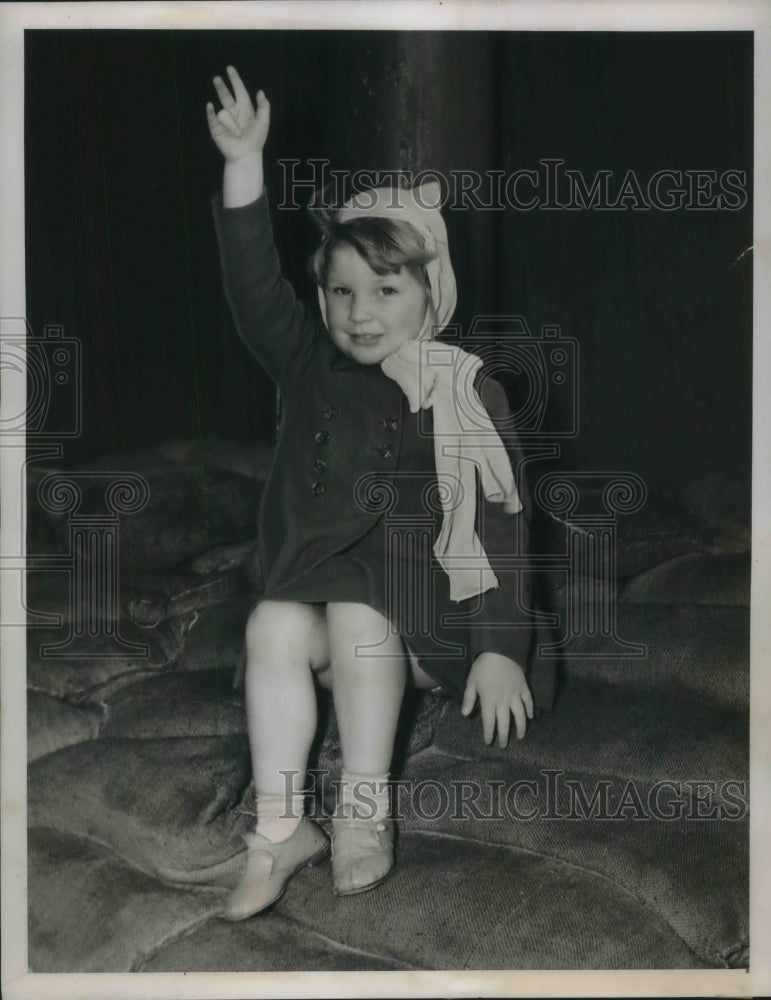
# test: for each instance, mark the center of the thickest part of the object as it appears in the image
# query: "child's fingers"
(503, 716)
(469, 697)
(527, 699)
(223, 92)
(211, 118)
(242, 94)
(236, 82)
(518, 711)
(488, 720)
(228, 121)
(263, 104)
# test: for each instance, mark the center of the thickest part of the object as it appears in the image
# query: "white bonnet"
(420, 207)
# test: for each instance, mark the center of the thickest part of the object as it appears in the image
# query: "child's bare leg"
(369, 669)
(285, 641)
(368, 678)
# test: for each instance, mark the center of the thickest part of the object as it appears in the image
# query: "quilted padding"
(691, 872)
(615, 835)
(453, 904)
(90, 912)
(166, 805)
(609, 731)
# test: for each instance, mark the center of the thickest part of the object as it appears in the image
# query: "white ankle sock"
(368, 794)
(278, 816)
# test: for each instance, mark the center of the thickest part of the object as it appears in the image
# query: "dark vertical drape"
(120, 246)
(656, 299)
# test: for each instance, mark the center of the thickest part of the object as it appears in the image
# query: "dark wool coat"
(354, 473)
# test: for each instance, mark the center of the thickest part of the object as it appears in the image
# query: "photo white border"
(522, 15)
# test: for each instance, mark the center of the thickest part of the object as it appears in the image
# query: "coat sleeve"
(276, 328)
(503, 622)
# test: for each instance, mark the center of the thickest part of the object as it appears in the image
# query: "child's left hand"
(502, 689)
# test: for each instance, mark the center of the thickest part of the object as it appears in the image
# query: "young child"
(387, 470)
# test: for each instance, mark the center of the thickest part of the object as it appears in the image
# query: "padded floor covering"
(136, 841)
(139, 780)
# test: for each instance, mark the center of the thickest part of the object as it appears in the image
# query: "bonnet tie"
(438, 376)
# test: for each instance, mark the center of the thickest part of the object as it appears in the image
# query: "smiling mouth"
(365, 338)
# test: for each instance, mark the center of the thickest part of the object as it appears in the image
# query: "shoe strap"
(350, 821)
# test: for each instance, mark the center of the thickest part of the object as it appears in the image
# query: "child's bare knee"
(359, 630)
(357, 622)
(287, 629)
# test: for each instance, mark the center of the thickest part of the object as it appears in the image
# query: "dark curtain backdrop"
(121, 252)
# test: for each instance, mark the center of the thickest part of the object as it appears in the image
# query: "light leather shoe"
(362, 852)
(269, 866)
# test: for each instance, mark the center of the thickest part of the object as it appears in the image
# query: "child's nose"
(359, 310)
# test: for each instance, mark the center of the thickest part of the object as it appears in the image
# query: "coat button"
(329, 412)
(321, 437)
(319, 466)
(390, 423)
(319, 489)
(385, 450)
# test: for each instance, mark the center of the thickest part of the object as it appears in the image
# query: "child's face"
(370, 315)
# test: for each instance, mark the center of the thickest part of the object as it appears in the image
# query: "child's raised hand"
(502, 690)
(239, 129)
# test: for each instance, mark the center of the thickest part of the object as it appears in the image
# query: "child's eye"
(388, 290)
(340, 290)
